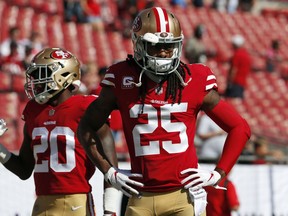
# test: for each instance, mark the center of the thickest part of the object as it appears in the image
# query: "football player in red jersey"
(159, 98)
(50, 147)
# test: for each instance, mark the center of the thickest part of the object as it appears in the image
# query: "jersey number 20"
(47, 138)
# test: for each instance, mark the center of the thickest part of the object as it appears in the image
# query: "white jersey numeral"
(47, 139)
(154, 121)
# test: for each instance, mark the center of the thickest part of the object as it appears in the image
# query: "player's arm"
(21, 165)
(111, 196)
(93, 133)
(238, 131)
(99, 144)
(224, 114)
(96, 138)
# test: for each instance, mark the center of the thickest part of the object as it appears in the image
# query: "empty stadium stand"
(266, 99)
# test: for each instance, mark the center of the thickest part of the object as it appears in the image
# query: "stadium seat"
(8, 19)
(87, 50)
(18, 82)
(10, 138)
(20, 3)
(70, 37)
(9, 105)
(103, 51)
(54, 31)
(5, 81)
(116, 45)
(24, 17)
(3, 32)
(264, 91)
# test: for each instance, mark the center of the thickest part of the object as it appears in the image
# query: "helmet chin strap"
(158, 79)
(140, 78)
(181, 79)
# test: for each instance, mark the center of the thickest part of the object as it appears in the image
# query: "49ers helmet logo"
(60, 54)
(137, 24)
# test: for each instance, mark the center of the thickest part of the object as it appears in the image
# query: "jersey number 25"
(154, 121)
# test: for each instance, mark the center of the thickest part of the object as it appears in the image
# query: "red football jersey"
(159, 134)
(62, 166)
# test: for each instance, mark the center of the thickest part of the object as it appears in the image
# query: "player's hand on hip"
(198, 178)
(3, 127)
(120, 179)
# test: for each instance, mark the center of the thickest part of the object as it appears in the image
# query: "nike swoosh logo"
(211, 177)
(74, 208)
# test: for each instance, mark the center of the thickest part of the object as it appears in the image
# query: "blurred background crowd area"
(98, 33)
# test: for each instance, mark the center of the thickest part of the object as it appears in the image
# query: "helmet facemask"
(155, 64)
(50, 73)
(40, 84)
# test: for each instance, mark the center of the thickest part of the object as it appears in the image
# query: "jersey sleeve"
(211, 82)
(109, 79)
(120, 75)
(203, 78)
(88, 99)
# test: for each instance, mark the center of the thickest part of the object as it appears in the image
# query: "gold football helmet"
(51, 71)
(157, 28)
